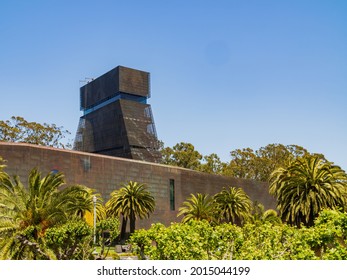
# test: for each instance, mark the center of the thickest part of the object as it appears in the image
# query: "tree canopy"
(182, 155)
(245, 163)
(17, 129)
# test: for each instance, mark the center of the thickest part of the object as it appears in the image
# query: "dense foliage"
(245, 163)
(131, 201)
(17, 129)
(199, 240)
(31, 217)
(182, 155)
(311, 194)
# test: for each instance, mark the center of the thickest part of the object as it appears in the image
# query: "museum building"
(116, 142)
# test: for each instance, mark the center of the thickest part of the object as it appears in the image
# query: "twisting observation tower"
(117, 121)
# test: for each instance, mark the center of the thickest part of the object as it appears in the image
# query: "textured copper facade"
(105, 174)
(117, 121)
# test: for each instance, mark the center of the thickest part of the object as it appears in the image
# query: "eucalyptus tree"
(259, 164)
(182, 155)
(199, 207)
(233, 205)
(131, 201)
(17, 129)
(212, 164)
(307, 186)
(242, 164)
(27, 212)
(273, 156)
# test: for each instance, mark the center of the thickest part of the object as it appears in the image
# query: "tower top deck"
(116, 81)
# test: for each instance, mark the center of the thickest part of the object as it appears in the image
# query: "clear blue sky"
(224, 74)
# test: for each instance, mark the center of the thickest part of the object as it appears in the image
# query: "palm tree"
(114, 208)
(259, 215)
(26, 213)
(131, 201)
(307, 186)
(199, 207)
(2, 165)
(271, 216)
(233, 205)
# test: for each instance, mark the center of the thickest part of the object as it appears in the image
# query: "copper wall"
(105, 174)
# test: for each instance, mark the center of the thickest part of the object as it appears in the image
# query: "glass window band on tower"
(172, 194)
(117, 121)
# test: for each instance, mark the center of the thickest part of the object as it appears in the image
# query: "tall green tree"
(242, 164)
(131, 201)
(199, 207)
(259, 164)
(274, 156)
(233, 205)
(27, 212)
(17, 129)
(182, 155)
(211, 164)
(306, 187)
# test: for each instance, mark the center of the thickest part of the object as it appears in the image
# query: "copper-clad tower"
(117, 121)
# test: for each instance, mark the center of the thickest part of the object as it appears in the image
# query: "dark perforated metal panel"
(115, 121)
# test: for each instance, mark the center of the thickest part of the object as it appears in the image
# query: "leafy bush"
(199, 240)
(71, 240)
